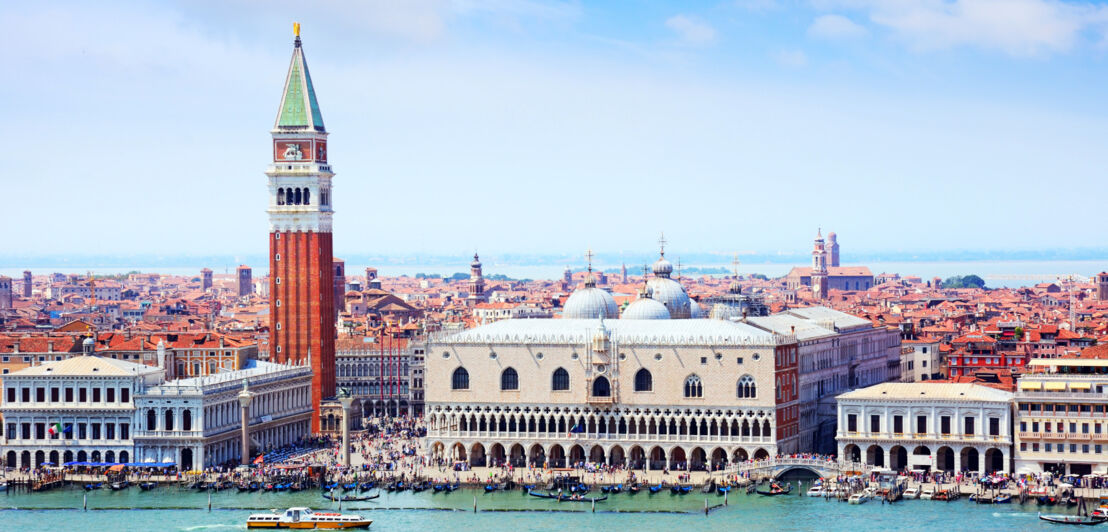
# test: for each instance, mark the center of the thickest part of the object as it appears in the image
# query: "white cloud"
(1015, 27)
(836, 27)
(791, 58)
(691, 29)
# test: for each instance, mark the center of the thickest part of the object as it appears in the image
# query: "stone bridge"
(776, 467)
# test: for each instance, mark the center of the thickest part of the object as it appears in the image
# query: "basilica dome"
(589, 303)
(671, 294)
(645, 308)
(696, 311)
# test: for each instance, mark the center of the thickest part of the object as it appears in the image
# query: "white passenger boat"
(911, 493)
(927, 494)
(816, 491)
(300, 518)
(861, 497)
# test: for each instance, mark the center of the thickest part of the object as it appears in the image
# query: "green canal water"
(181, 509)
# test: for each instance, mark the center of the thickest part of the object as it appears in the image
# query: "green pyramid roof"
(299, 108)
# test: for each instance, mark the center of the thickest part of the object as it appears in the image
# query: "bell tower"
(301, 272)
(819, 268)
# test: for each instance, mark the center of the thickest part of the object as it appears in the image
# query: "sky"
(526, 126)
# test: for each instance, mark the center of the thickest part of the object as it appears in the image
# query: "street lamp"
(346, 400)
(245, 396)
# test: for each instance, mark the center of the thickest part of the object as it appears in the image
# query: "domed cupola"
(645, 307)
(590, 302)
(667, 291)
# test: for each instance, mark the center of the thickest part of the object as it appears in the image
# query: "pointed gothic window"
(644, 381)
(307, 197)
(460, 379)
(693, 388)
(560, 380)
(509, 380)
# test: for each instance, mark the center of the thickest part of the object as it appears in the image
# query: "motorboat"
(927, 494)
(815, 491)
(913, 492)
(302, 517)
(861, 497)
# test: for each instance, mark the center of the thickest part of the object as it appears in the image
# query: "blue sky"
(517, 126)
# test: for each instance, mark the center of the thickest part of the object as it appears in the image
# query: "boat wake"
(213, 527)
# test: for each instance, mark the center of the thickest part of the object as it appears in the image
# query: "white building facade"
(927, 426)
(75, 410)
(1062, 417)
(196, 422)
(647, 394)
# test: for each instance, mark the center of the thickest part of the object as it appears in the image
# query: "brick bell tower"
(301, 274)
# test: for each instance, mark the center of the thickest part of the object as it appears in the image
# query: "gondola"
(1002, 499)
(655, 489)
(330, 486)
(722, 490)
(775, 490)
(489, 488)
(350, 486)
(451, 487)
(116, 486)
(94, 486)
(527, 487)
(366, 486)
(680, 490)
(148, 485)
(633, 489)
(419, 486)
(1060, 519)
(350, 498)
(543, 495)
(562, 497)
(243, 487)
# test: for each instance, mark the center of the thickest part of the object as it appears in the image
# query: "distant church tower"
(1102, 286)
(5, 292)
(623, 273)
(301, 273)
(819, 268)
(476, 281)
(833, 243)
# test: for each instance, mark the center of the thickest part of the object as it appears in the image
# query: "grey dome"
(645, 308)
(671, 294)
(696, 311)
(662, 268)
(589, 303)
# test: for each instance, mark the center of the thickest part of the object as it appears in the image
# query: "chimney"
(50, 346)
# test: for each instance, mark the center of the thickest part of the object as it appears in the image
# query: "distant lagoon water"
(995, 273)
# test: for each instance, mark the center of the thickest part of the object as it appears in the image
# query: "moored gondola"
(350, 498)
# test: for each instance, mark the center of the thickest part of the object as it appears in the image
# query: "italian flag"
(55, 428)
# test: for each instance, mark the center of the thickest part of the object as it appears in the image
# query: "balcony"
(601, 400)
(1028, 435)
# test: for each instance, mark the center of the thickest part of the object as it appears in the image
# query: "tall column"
(347, 401)
(245, 396)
